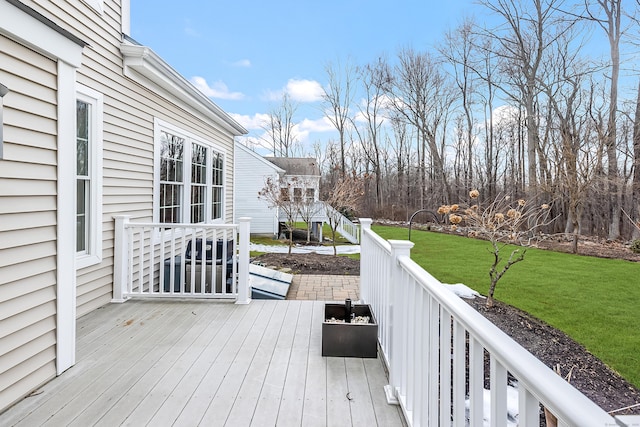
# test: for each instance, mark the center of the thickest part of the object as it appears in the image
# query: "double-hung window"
(89, 110)
(189, 177)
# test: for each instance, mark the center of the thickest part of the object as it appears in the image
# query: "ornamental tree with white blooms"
(502, 222)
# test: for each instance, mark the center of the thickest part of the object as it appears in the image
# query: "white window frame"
(190, 139)
(93, 253)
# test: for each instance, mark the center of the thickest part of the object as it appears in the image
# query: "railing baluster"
(528, 408)
(459, 374)
(476, 382)
(150, 260)
(445, 367)
(498, 387)
(152, 263)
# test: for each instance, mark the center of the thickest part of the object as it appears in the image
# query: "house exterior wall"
(251, 172)
(30, 204)
(27, 222)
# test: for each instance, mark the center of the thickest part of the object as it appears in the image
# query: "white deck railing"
(434, 345)
(346, 228)
(181, 260)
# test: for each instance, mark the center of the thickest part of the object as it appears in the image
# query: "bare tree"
(279, 128)
(502, 222)
(530, 27)
(609, 18)
(459, 49)
(346, 195)
(374, 78)
(421, 94)
(306, 201)
(278, 196)
(338, 97)
(635, 197)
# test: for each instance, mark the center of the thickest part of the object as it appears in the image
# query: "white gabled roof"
(147, 63)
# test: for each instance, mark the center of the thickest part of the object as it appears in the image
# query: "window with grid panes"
(191, 178)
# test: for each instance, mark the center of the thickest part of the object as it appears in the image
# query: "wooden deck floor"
(208, 363)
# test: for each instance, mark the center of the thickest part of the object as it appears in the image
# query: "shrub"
(635, 246)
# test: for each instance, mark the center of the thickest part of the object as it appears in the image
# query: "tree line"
(518, 109)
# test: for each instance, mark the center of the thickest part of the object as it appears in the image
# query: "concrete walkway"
(324, 287)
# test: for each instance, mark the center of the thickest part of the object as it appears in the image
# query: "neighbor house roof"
(297, 165)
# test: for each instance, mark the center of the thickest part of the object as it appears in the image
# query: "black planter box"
(349, 339)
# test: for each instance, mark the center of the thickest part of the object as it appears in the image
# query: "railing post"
(365, 276)
(121, 259)
(243, 261)
(399, 248)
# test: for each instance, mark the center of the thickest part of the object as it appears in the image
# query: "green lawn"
(595, 301)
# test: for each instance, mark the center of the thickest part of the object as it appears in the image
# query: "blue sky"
(244, 54)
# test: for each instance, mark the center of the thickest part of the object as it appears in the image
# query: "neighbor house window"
(297, 194)
(310, 194)
(190, 177)
(88, 176)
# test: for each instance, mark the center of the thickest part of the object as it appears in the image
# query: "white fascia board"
(20, 26)
(148, 64)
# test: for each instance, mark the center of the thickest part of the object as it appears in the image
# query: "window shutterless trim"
(93, 253)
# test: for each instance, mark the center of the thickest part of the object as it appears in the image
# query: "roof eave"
(147, 63)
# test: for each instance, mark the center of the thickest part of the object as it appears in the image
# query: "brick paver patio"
(324, 287)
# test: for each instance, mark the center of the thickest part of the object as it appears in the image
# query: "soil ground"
(587, 373)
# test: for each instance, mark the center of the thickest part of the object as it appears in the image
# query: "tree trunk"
(635, 195)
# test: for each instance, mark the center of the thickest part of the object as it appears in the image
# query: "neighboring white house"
(251, 173)
(302, 174)
(93, 125)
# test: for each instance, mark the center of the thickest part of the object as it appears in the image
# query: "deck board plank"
(140, 401)
(220, 332)
(377, 378)
(249, 393)
(292, 401)
(315, 393)
(117, 383)
(89, 376)
(186, 363)
(338, 411)
(266, 412)
(360, 404)
(213, 375)
(224, 399)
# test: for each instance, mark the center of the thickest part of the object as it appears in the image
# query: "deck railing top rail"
(436, 347)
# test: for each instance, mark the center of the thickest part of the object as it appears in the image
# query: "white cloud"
(242, 63)
(304, 90)
(318, 125)
(272, 95)
(304, 128)
(299, 90)
(217, 89)
(257, 121)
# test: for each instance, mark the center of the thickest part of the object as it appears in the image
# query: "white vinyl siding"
(29, 173)
(251, 172)
(27, 222)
